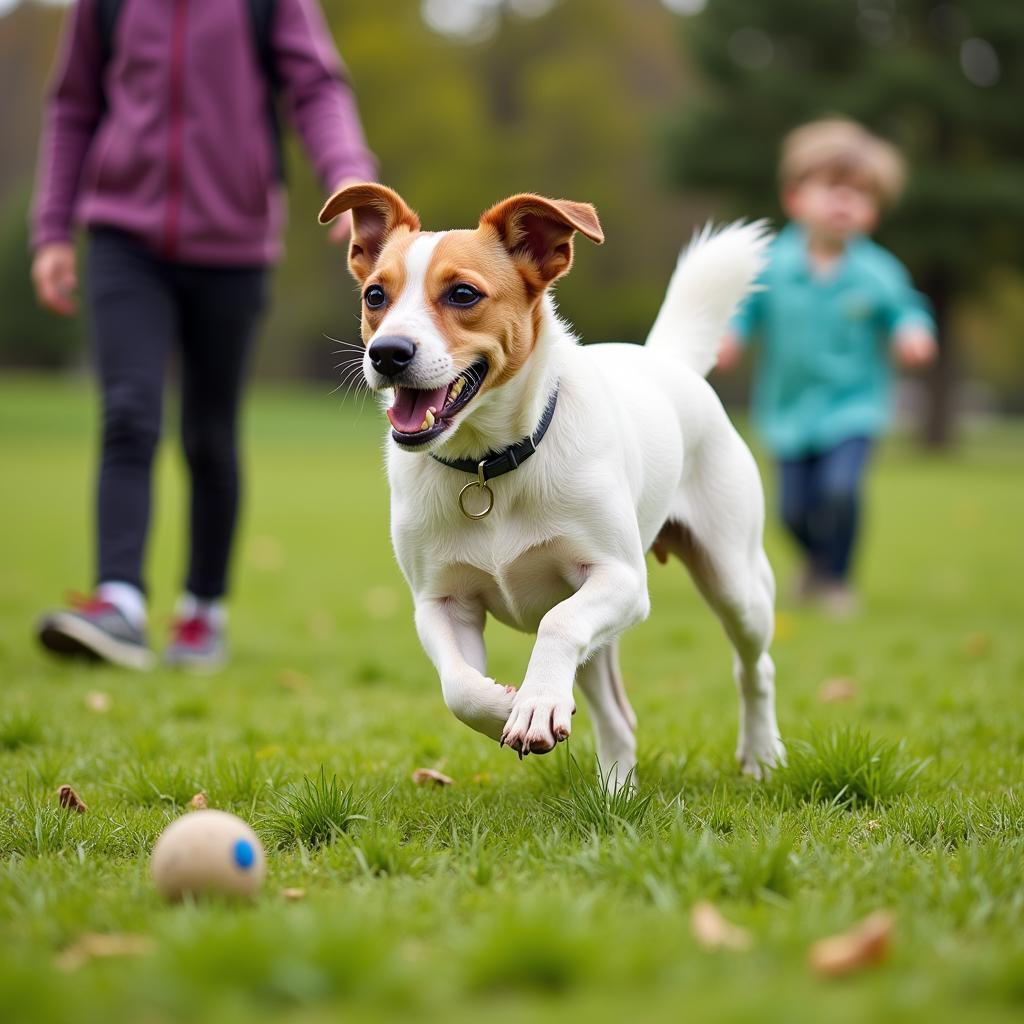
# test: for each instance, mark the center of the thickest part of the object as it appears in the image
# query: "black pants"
(821, 504)
(139, 306)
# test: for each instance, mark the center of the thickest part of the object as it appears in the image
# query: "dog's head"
(448, 316)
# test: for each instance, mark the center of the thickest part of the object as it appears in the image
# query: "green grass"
(526, 890)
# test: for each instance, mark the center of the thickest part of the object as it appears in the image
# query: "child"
(833, 305)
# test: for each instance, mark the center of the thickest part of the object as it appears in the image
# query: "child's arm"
(914, 346)
(742, 326)
(909, 321)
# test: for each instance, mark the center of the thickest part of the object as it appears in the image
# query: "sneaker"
(807, 586)
(96, 630)
(838, 601)
(197, 643)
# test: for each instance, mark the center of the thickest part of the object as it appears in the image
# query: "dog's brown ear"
(538, 233)
(376, 211)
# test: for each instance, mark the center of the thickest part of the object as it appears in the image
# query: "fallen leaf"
(322, 625)
(381, 602)
(834, 690)
(977, 645)
(424, 775)
(712, 931)
(71, 800)
(292, 679)
(785, 626)
(95, 945)
(863, 945)
(293, 894)
(266, 553)
(198, 802)
(98, 702)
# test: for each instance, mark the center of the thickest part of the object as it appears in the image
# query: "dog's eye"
(375, 296)
(464, 295)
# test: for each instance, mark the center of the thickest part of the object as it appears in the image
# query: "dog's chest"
(517, 580)
(519, 591)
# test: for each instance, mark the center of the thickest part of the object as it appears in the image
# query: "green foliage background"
(659, 118)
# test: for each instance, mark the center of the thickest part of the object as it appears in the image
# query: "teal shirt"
(823, 370)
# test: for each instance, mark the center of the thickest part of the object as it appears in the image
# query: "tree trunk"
(937, 423)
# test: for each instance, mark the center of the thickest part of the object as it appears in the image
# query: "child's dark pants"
(820, 504)
(139, 306)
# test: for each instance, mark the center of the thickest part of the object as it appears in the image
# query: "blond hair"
(844, 150)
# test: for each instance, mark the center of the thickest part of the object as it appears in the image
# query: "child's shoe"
(838, 600)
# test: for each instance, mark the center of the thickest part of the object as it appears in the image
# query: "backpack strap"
(261, 17)
(107, 13)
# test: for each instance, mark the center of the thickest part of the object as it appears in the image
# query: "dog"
(530, 475)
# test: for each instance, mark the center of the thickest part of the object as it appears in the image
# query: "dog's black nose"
(391, 354)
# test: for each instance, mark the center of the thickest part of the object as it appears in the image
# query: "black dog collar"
(500, 462)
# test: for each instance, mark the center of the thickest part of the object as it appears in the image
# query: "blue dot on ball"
(245, 855)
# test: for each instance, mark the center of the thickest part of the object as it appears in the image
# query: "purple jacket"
(183, 155)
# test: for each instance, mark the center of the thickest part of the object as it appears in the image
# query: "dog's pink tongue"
(410, 407)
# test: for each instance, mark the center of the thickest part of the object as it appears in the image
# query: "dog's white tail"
(715, 271)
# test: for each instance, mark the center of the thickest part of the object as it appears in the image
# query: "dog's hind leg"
(718, 537)
(614, 720)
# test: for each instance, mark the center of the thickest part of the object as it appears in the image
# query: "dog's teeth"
(428, 420)
(457, 387)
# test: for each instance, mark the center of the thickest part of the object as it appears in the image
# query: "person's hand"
(914, 346)
(342, 226)
(730, 351)
(55, 277)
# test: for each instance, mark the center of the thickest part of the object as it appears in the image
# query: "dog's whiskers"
(349, 380)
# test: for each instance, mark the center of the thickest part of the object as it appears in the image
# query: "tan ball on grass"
(207, 852)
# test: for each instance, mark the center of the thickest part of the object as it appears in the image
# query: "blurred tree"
(556, 96)
(944, 80)
(29, 336)
(560, 97)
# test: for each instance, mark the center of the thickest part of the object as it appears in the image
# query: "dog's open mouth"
(419, 415)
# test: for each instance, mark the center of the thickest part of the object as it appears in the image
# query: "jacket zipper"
(176, 132)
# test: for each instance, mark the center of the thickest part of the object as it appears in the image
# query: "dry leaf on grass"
(424, 775)
(977, 645)
(785, 626)
(198, 802)
(71, 800)
(834, 690)
(266, 553)
(292, 679)
(863, 945)
(293, 894)
(98, 702)
(94, 945)
(381, 602)
(712, 931)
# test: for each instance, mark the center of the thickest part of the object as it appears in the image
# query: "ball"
(208, 852)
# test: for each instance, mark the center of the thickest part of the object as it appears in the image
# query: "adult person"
(160, 139)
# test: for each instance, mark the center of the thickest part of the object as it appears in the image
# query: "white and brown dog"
(530, 475)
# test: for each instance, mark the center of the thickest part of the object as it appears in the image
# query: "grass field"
(519, 892)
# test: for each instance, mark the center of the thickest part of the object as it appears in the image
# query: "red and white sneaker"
(96, 630)
(198, 643)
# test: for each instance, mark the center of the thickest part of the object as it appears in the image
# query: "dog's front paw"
(538, 722)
